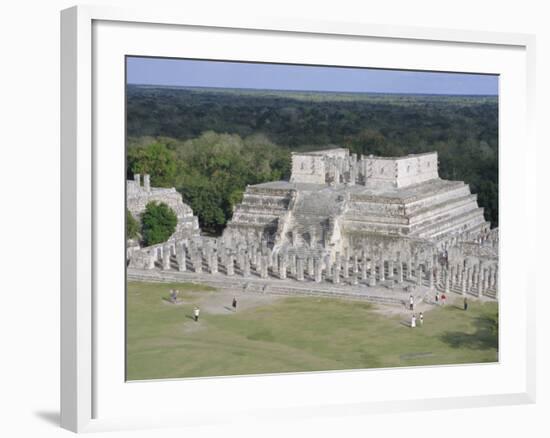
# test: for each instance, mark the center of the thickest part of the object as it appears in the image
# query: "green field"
(273, 335)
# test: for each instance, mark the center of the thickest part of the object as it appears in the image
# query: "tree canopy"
(158, 223)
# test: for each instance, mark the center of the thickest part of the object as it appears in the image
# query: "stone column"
(464, 279)
(409, 269)
(259, 263)
(230, 264)
(246, 265)
(338, 261)
(318, 270)
(300, 269)
(419, 275)
(468, 279)
(479, 282)
(282, 268)
(345, 267)
(336, 274)
(293, 265)
(354, 279)
(400, 271)
(328, 267)
(264, 262)
(166, 258)
(452, 282)
(275, 263)
(490, 277)
(495, 283)
(197, 263)
(214, 262)
(310, 267)
(182, 258)
(382, 273)
(486, 274)
(355, 264)
(372, 276)
(151, 260)
(447, 281)
(390, 268)
(430, 276)
(364, 275)
(146, 183)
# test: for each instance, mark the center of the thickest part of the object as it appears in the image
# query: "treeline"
(260, 128)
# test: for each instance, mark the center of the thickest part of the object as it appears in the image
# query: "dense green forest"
(210, 143)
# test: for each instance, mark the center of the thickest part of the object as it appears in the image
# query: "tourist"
(436, 297)
(413, 321)
(196, 313)
(411, 302)
(465, 303)
(421, 316)
(234, 304)
(443, 298)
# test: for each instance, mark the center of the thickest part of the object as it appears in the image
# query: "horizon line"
(311, 91)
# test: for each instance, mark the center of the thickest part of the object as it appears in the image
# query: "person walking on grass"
(465, 303)
(196, 313)
(436, 297)
(413, 321)
(443, 298)
(411, 302)
(234, 304)
(421, 316)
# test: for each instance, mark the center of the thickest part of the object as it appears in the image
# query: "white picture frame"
(88, 366)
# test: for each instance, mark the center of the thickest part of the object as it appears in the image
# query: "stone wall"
(401, 171)
(138, 196)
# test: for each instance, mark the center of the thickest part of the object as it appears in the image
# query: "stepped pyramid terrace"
(334, 201)
(364, 227)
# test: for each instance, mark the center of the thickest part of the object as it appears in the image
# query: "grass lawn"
(292, 334)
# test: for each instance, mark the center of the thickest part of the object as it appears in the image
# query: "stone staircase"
(311, 215)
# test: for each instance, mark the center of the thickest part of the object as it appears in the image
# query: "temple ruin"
(363, 227)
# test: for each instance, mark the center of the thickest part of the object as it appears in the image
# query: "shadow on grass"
(485, 336)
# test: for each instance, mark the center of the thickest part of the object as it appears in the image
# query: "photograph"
(289, 218)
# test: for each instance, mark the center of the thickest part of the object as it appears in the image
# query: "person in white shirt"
(411, 302)
(413, 321)
(197, 312)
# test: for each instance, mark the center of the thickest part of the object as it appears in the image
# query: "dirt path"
(220, 302)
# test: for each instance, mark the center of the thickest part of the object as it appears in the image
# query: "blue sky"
(193, 73)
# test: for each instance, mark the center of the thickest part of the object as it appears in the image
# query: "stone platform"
(380, 294)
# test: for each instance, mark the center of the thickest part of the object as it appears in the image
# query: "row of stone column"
(477, 278)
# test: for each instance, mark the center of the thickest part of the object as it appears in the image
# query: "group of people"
(438, 300)
(420, 319)
(442, 299)
(197, 310)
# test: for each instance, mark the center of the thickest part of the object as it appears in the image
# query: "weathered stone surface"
(137, 198)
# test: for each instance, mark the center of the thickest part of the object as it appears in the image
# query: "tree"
(132, 226)
(156, 160)
(158, 223)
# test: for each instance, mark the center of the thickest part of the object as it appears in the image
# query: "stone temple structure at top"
(335, 201)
